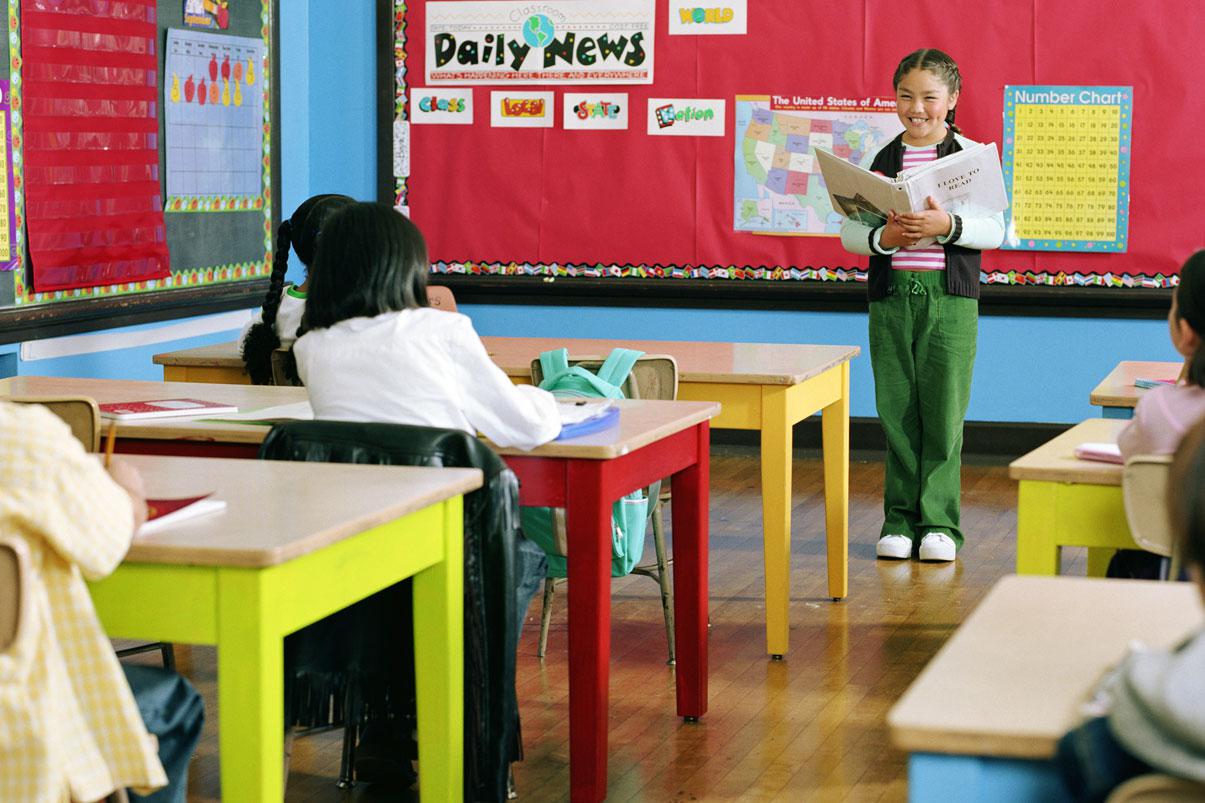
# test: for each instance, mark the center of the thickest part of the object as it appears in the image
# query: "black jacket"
(962, 264)
(357, 650)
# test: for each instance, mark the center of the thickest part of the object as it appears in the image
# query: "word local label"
(591, 111)
(521, 109)
(441, 106)
(702, 18)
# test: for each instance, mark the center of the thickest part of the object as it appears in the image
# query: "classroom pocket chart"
(1067, 167)
(214, 115)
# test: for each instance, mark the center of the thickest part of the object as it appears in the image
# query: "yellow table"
(1064, 501)
(761, 386)
(982, 720)
(1117, 394)
(297, 542)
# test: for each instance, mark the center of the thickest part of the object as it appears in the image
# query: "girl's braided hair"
(301, 233)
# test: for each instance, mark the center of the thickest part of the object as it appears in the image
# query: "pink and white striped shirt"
(931, 257)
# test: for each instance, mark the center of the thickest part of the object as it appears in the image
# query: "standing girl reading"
(283, 304)
(923, 284)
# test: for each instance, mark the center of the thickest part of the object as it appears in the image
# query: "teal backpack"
(629, 516)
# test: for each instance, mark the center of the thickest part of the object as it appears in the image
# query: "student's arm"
(509, 415)
(62, 494)
(858, 238)
(980, 233)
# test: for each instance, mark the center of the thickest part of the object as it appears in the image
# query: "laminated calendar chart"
(214, 117)
(1067, 167)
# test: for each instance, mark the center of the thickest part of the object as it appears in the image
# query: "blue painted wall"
(1029, 369)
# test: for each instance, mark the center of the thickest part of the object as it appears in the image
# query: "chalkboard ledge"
(36, 322)
(1046, 302)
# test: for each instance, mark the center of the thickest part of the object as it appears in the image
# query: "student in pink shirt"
(1165, 413)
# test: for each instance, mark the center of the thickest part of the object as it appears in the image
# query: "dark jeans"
(173, 712)
(1092, 763)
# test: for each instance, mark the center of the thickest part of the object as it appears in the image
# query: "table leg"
(588, 523)
(250, 689)
(1037, 529)
(835, 434)
(776, 443)
(690, 512)
(439, 665)
(1098, 560)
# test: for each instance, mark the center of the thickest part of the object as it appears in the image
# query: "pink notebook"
(1100, 452)
(163, 408)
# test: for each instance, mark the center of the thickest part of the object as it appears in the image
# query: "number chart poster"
(214, 119)
(1067, 167)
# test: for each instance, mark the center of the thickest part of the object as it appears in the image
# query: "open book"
(163, 513)
(967, 183)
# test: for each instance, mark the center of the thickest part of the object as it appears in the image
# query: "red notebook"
(162, 513)
(163, 408)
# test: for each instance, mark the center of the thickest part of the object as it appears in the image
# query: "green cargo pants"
(922, 350)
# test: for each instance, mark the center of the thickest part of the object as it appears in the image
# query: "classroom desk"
(982, 720)
(761, 386)
(278, 559)
(179, 436)
(1116, 392)
(654, 440)
(1064, 501)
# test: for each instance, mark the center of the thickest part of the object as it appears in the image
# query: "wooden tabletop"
(740, 363)
(1010, 682)
(1117, 389)
(245, 397)
(641, 422)
(279, 510)
(219, 355)
(1055, 460)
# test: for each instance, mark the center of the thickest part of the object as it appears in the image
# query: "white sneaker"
(937, 547)
(896, 547)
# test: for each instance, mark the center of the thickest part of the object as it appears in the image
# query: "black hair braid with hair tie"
(262, 338)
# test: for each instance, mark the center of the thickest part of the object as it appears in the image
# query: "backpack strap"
(553, 362)
(618, 365)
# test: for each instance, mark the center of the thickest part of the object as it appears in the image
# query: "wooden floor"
(809, 728)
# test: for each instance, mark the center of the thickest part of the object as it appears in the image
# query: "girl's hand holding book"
(130, 480)
(894, 235)
(932, 222)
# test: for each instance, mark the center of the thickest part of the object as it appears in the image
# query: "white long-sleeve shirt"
(423, 367)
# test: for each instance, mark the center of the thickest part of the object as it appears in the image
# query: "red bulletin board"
(515, 201)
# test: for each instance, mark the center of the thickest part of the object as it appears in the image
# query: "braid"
(262, 338)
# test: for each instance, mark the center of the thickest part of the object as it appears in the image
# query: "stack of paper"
(1100, 452)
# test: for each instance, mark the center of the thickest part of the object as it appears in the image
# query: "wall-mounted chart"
(1067, 167)
(213, 109)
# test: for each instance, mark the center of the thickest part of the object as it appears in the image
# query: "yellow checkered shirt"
(69, 726)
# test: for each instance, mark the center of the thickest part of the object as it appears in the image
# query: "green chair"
(654, 376)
